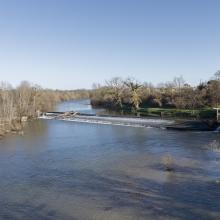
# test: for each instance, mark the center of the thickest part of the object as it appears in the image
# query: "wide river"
(71, 170)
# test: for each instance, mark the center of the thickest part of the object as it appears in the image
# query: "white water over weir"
(109, 120)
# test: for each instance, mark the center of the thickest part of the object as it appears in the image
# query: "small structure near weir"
(217, 113)
(217, 118)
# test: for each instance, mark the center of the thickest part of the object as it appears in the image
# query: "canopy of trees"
(26, 100)
(119, 93)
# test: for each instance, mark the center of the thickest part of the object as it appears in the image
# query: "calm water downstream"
(69, 170)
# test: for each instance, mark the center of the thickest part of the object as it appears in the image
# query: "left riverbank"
(16, 126)
(26, 101)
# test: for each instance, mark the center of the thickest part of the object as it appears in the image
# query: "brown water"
(67, 170)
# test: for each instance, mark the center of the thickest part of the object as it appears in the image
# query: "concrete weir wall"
(182, 125)
(139, 122)
(122, 121)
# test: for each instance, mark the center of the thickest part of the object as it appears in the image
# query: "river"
(69, 170)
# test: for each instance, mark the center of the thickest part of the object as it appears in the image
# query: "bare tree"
(117, 86)
(214, 92)
(26, 100)
(134, 88)
(7, 102)
(217, 75)
(23, 98)
(178, 83)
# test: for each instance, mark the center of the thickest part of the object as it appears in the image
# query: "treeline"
(118, 93)
(27, 100)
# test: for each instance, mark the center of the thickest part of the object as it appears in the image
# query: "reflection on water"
(82, 106)
(66, 170)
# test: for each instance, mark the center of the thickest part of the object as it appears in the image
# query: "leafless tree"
(134, 88)
(217, 75)
(117, 86)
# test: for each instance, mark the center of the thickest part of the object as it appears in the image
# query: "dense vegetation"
(26, 101)
(176, 98)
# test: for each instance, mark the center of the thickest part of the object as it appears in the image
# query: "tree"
(7, 102)
(116, 85)
(217, 75)
(214, 92)
(178, 83)
(24, 94)
(134, 88)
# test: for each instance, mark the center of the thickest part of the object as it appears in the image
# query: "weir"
(181, 125)
(111, 120)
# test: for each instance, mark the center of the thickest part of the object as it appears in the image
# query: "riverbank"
(16, 126)
(206, 113)
(169, 113)
(27, 100)
(194, 125)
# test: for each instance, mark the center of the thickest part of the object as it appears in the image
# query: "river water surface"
(70, 170)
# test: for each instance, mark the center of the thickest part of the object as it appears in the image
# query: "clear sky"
(70, 44)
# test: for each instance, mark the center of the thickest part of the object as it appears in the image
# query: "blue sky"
(70, 44)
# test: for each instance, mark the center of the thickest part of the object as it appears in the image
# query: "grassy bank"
(178, 113)
(176, 99)
(206, 113)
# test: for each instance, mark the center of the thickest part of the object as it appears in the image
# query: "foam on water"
(104, 123)
(118, 121)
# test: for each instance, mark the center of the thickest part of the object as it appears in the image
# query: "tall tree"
(116, 85)
(134, 88)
